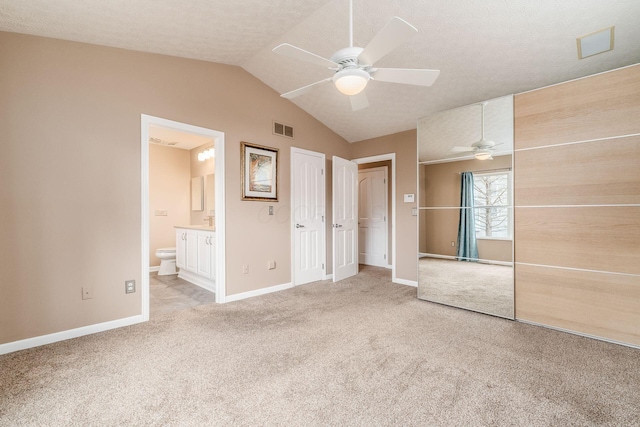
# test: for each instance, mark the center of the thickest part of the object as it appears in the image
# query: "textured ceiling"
(484, 49)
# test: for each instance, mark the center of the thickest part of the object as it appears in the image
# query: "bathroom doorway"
(201, 206)
(372, 163)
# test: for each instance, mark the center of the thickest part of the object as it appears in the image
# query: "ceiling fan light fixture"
(351, 81)
(483, 155)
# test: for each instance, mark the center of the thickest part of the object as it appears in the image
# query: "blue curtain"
(467, 246)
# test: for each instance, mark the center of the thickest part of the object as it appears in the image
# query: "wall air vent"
(282, 130)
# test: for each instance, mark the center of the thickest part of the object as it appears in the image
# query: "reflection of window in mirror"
(492, 193)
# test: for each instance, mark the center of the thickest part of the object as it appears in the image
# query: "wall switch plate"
(409, 198)
(130, 286)
(161, 212)
(271, 265)
(87, 292)
(453, 244)
(270, 210)
(414, 211)
(245, 269)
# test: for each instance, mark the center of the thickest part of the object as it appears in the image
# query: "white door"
(345, 219)
(181, 247)
(308, 198)
(191, 253)
(204, 254)
(372, 216)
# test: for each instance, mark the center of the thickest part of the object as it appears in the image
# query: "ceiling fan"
(353, 66)
(482, 149)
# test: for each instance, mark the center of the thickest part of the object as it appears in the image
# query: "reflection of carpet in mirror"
(487, 288)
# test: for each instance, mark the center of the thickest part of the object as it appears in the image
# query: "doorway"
(148, 122)
(373, 214)
(388, 160)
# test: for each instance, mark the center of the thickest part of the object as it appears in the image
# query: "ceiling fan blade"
(359, 101)
(461, 150)
(304, 89)
(392, 35)
(291, 51)
(406, 76)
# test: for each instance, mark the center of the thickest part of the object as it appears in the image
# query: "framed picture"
(259, 172)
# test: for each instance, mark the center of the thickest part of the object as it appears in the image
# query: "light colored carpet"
(363, 352)
(487, 288)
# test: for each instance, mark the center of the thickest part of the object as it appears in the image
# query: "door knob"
(299, 226)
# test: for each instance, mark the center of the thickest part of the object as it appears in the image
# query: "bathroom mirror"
(466, 207)
(197, 193)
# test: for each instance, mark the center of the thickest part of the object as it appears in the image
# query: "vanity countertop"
(197, 227)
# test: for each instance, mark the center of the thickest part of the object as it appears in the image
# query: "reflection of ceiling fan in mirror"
(353, 66)
(481, 150)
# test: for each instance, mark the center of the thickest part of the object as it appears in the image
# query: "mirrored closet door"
(465, 198)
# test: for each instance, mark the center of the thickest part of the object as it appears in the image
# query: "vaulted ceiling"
(484, 49)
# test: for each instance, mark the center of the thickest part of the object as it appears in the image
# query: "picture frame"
(259, 172)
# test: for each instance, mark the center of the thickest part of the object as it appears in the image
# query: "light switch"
(414, 211)
(409, 198)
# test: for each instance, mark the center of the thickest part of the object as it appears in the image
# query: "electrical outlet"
(161, 212)
(129, 286)
(87, 292)
(245, 269)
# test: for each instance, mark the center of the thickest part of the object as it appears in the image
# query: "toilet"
(167, 261)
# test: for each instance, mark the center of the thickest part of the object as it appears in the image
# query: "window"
(492, 200)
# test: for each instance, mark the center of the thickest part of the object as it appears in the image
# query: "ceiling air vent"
(282, 130)
(162, 142)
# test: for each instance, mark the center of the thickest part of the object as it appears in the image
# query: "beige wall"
(70, 173)
(577, 205)
(441, 188)
(169, 183)
(386, 163)
(202, 169)
(403, 144)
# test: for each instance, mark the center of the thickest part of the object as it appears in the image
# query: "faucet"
(210, 219)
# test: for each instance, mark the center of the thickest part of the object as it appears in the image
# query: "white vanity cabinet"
(196, 255)
(187, 249)
(206, 262)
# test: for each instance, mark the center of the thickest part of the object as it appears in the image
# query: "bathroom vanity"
(196, 255)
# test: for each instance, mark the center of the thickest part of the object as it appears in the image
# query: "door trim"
(385, 169)
(292, 207)
(218, 136)
(380, 158)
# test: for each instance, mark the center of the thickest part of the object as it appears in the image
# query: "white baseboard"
(71, 333)
(328, 277)
(426, 255)
(389, 267)
(154, 268)
(258, 292)
(413, 283)
(197, 280)
(479, 260)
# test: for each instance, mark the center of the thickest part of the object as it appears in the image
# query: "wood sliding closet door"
(577, 205)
